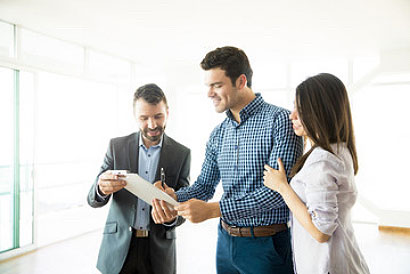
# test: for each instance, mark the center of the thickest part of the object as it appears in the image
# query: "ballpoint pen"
(162, 178)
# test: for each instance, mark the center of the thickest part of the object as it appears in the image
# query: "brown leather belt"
(258, 231)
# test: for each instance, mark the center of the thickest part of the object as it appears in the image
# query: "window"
(304, 68)
(7, 158)
(6, 40)
(113, 69)
(382, 143)
(51, 53)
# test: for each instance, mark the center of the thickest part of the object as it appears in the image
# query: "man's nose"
(211, 92)
(152, 124)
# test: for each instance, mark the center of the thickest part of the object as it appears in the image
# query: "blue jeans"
(254, 255)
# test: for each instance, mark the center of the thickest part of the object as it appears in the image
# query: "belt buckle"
(234, 231)
(141, 233)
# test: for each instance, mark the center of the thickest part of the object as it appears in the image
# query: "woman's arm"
(276, 180)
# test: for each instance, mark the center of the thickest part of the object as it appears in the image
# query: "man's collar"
(249, 110)
(141, 142)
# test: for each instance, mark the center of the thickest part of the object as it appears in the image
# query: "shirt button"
(146, 172)
(143, 209)
(130, 228)
(149, 155)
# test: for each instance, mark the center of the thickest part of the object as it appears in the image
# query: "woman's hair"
(324, 111)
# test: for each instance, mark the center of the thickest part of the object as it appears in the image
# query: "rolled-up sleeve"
(321, 194)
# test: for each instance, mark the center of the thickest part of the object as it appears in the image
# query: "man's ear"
(241, 81)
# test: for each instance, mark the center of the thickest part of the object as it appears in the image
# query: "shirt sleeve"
(288, 147)
(321, 194)
(204, 186)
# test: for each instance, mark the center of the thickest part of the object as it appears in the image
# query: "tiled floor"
(385, 252)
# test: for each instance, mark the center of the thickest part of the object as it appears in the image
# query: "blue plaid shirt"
(236, 154)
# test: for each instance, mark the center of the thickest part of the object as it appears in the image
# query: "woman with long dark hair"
(322, 191)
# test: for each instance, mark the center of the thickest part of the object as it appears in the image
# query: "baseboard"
(395, 229)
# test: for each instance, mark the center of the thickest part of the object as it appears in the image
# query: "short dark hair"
(151, 93)
(230, 59)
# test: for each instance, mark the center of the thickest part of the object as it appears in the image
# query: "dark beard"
(153, 138)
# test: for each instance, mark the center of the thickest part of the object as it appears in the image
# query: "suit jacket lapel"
(133, 149)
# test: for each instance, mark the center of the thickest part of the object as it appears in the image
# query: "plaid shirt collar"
(249, 110)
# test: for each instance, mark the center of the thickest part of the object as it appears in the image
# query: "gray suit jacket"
(122, 154)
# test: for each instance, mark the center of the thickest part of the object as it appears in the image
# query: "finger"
(110, 175)
(267, 167)
(112, 189)
(280, 164)
(159, 185)
(156, 218)
(155, 211)
(160, 211)
(181, 206)
(169, 214)
(183, 214)
(153, 214)
(112, 183)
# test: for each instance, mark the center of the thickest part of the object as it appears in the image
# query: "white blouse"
(326, 185)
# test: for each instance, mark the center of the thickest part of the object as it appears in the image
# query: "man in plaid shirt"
(253, 236)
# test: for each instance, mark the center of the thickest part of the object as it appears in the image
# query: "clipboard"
(145, 190)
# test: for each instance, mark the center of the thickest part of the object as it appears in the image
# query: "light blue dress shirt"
(148, 159)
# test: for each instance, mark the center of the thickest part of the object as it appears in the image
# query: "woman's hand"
(275, 179)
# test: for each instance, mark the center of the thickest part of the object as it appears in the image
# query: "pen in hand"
(162, 178)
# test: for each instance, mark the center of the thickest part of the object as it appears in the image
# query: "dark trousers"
(254, 255)
(138, 260)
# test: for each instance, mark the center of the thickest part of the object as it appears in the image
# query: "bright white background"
(80, 63)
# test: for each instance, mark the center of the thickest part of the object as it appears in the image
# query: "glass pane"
(6, 158)
(26, 130)
(364, 65)
(382, 137)
(281, 98)
(45, 51)
(6, 39)
(269, 74)
(108, 67)
(74, 121)
(302, 69)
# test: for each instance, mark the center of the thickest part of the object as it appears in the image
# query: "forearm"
(251, 205)
(197, 190)
(301, 213)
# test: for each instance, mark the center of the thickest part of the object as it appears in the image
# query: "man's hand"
(108, 182)
(198, 211)
(168, 190)
(162, 212)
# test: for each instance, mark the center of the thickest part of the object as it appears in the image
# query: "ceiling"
(178, 32)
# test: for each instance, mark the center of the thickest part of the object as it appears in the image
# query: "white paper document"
(145, 190)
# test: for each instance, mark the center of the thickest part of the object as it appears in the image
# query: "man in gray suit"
(132, 242)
